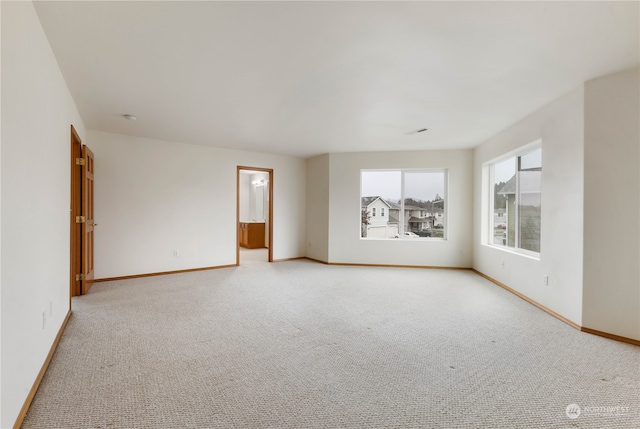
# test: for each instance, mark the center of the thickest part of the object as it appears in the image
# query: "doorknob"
(94, 224)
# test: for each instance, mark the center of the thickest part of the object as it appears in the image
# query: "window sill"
(519, 252)
(421, 239)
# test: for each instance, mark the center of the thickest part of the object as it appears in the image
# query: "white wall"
(250, 210)
(153, 197)
(345, 244)
(258, 197)
(612, 205)
(245, 194)
(560, 125)
(318, 208)
(37, 111)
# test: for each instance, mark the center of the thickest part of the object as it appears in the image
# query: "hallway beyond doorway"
(253, 256)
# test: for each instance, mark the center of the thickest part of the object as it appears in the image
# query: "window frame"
(444, 218)
(516, 154)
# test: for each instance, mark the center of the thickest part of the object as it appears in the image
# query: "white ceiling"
(304, 78)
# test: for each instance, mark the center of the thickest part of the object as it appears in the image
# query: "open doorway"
(254, 219)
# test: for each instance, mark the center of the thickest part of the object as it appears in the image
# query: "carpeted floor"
(304, 345)
(251, 256)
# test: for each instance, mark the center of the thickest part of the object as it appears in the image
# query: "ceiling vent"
(421, 130)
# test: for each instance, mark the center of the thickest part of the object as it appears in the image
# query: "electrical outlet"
(176, 253)
(545, 280)
(502, 264)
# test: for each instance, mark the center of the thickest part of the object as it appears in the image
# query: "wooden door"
(88, 224)
(76, 212)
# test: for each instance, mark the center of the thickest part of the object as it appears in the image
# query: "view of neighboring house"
(500, 218)
(500, 226)
(437, 214)
(383, 217)
(378, 221)
(527, 230)
(508, 190)
(378, 210)
(415, 218)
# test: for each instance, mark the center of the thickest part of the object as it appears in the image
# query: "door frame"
(75, 210)
(270, 209)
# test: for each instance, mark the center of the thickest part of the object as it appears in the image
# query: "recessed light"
(421, 130)
(130, 117)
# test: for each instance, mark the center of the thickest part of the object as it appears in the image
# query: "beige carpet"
(304, 345)
(252, 256)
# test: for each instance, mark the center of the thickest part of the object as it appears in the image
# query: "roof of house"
(367, 201)
(393, 206)
(509, 187)
(410, 207)
(529, 184)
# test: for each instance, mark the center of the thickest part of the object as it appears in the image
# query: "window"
(414, 202)
(516, 200)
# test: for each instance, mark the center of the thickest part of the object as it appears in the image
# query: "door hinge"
(79, 277)
(79, 161)
(80, 219)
